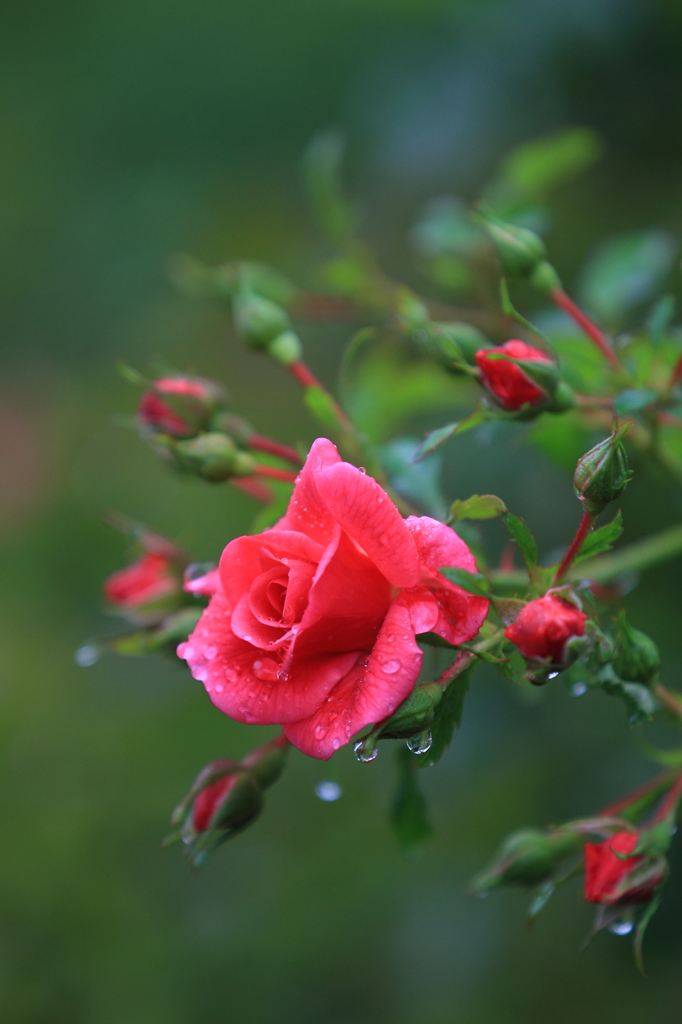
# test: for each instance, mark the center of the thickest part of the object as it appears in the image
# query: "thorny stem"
(461, 662)
(276, 474)
(307, 379)
(586, 524)
(260, 443)
(659, 782)
(566, 303)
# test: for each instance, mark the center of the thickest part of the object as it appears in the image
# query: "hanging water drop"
(621, 927)
(365, 753)
(552, 675)
(578, 689)
(421, 743)
(328, 791)
(87, 655)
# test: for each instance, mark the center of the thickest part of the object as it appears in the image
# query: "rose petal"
(228, 667)
(205, 585)
(424, 610)
(370, 691)
(241, 561)
(307, 511)
(347, 603)
(368, 515)
(461, 615)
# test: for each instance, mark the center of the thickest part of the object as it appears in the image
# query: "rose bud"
(454, 343)
(194, 400)
(636, 658)
(527, 857)
(519, 250)
(145, 591)
(313, 623)
(213, 456)
(613, 874)
(415, 714)
(518, 374)
(543, 628)
(602, 474)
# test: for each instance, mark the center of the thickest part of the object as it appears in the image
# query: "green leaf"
(633, 399)
(545, 163)
(416, 481)
(479, 506)
(602, 539)
(321, 171)
(626, 271)
(408, 814)
(473, 583)
(321, 405)
(658, 320)
(447, 718)
(437, 437)
(524, 539)
(509, 309)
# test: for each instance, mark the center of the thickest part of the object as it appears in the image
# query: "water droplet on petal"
(336, 743)
(188, 651)
(218, 688)
(421, 743)
(320, 732)
(265, 669)
(578, 689)
(621, 927)
(328, 791)
(86, 655)
(363, 753)
(391, 667)
(362, 469)
(210, 652)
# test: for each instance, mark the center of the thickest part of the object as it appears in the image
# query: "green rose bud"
(527, 857)
(602, 474)
(415, 714)
(636, 658)
(258, 320)
(519, 250)
(213, 456)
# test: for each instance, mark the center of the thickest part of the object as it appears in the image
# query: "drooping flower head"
(312, 623)
(613, 875)
(199, 398)
(544, 626)
(509, 383)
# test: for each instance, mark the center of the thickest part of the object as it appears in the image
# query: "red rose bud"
(614, 875)
(213, 456)
(543, 628)
(602, 474)
(146, 590)
(636, 658)
(192, 403)
(517, 374)
(526, 857)
(519, 250)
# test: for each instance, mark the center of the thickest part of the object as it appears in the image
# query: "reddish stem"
(586, 524)
(614, 809)
(275, 473)
(670, 802)
(264, 444)
(566, 303)
(308, 380)
(463, 659)
(254, 487)
(677, 373)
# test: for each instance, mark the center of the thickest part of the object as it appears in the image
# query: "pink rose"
(312, 624)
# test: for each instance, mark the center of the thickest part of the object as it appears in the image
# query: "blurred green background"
(130, 131)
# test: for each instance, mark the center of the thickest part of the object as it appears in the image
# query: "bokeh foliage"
(134, 130)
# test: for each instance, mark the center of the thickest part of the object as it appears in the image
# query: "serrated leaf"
(473, 583)
(437, 437)
(523, 538)
(408, 814)
(478, 506)
(447, 718)
(602, 539)
(633, 399)
(321, 405)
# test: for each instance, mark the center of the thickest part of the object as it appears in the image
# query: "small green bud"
(563, 398)
(545, 278)
(602, 473)
(286, 348)
(526, 857)
(239, 429)
(213, 456)
(267, 763)
(519, 250)
(258, 320)
(456, 342)
(636, 658)
(414, 714)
